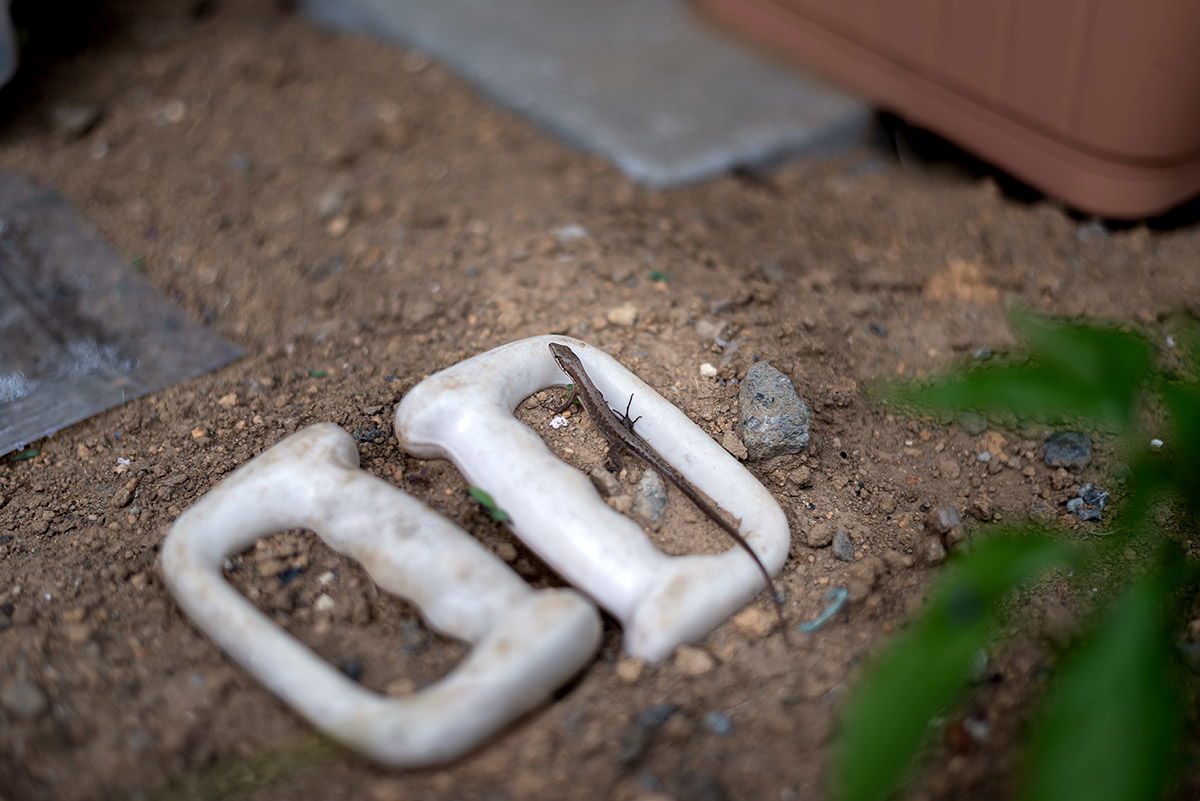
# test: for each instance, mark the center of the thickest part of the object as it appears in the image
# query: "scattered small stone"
(569, 233)
(227, 401)
(982, 354)
(338, 226)
(324, 603)
(980, 507)
(718, 723)
(878, 329)
(199, 433)
(732, 443)
(983, 456)
(755, 622)
(774, 419)
(639, 734)
(707, 370)
(122, 497)
(507, 552)
(843, 546)
(650, 500)
(1156, 444)
(331, 202)
(1089, 504)
(23, 698)
(820, 534)
(943, 522)
(370, 435)
(801, 476)
(692, 661)
(1060, 479)
(608, 484)
(1070, 449)
(75, 120)
(1093, 496)
(624, 315)
(864, 575)
(949, 468)
(630, 668)
(934, 552)
(973, 424)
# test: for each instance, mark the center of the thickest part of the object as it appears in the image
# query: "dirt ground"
(357, 218)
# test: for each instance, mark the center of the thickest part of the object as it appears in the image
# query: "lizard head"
(563, 355)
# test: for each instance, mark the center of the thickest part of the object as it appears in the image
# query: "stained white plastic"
(525, 643)
(465, 414)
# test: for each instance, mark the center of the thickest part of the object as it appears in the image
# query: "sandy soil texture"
(357, 218)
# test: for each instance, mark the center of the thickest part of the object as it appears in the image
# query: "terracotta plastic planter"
(1096, 102)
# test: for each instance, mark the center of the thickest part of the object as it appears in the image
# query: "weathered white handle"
(526, 643)
(465, 414)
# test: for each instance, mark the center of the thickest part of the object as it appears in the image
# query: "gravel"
(774, 419)
(1070, 449)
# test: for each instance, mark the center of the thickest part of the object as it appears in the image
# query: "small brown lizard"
(618, 430)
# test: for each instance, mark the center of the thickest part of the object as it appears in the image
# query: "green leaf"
(926, 669)
(489, 503)
(1071, 371)
(1113, 721)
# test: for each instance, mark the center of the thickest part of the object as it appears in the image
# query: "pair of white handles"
(525, 643)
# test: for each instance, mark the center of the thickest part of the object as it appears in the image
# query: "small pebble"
(982, 354)
(755, 622)
(843, 546)
(74, 120)
(227, 401)
(801, 476)
(692, 661)
(973, 424)
(707, 370)
(878, 329)
(650, 500)
(624, 315)
(630, 669)
(23, 698)
(774, 419)
(983, 456)
(1071, 449)
(820, 534)
(639, 734)
(507, 552)
(1156, 444)
(718, 723)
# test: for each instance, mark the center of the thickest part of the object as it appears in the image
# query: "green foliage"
(485, 500)
(1111, 720)
(1114, 705)
(926, 668)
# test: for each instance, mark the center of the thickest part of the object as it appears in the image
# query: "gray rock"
(820, 534)
(718, 723)
(639, 734)
(774, 419)
(843, 547)
(23, 698)
(973, 424)
(1089, 504)
(650, 500)
(74, 120)
(1070, 449)
(1093, 496)
(943, 521)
